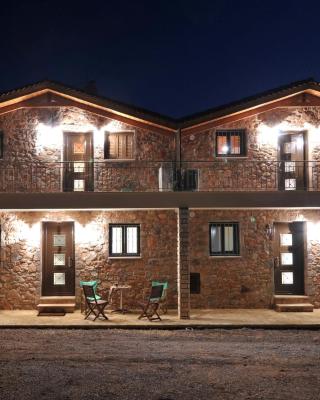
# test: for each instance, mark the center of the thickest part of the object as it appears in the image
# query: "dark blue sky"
(174, 57)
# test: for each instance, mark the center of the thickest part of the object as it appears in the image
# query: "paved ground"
(205, 318)
(188, 364)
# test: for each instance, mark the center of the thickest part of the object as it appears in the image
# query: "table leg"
(120, 309)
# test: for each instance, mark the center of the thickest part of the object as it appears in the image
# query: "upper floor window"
(231, 142)
(124, 240)
(119, 145)
(1, 144)
(224, 239)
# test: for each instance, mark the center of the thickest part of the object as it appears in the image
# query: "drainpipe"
(178, 164)
(178, 147)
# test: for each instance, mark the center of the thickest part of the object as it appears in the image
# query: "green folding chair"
(94, 285)
(163, 301)
(95, 307)
(151, 306)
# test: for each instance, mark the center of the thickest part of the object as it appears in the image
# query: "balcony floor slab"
(157, 200)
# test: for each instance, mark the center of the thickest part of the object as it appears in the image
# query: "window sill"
(124, 257)
(119, 159)
(225, 257)
(232, 157)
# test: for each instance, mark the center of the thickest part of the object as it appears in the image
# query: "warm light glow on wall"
(113, 126)
(98, 138)
(91, 232)
(313, 231)
(48, 136)
(52, 136)
(313, 136)
(268, 135)
(23, 232)
(300, 217)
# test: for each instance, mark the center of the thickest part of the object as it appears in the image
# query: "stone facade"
(173, 242)
(20, 278)
(33, 143)
(247, 281)
(33, 151)
(258, 169)
(226, 282)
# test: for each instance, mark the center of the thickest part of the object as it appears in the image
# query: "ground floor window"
(124, 240)
(224, 239)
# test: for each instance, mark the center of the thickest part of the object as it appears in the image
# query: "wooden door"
(292, 171)
(78, 162)
(289, 258)
(58, 268)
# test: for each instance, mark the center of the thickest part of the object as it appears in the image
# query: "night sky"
(175, 57)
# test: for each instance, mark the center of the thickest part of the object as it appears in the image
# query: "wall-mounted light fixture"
(269, 231)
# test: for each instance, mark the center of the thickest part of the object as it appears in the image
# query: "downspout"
(178, 162)
(178, 148)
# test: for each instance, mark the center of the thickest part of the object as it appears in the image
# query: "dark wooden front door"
(78, 166)
(292, 171)
(289, 258)
(58, 269)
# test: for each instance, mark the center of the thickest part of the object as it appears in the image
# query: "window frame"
(242, 133)
(106, 151)
(236, 239)
(124, 252)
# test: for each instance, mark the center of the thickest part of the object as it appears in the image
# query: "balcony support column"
(183, 264)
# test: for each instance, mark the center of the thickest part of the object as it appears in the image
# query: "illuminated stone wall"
(34, 137)
(262, 129)
(20, 277)
(247, 281)
(244, 281)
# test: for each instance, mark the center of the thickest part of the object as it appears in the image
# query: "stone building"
(224, 205)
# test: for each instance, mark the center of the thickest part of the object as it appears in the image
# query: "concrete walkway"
(200, 319)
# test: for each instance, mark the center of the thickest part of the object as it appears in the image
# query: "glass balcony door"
(291, 155)
(78, 166)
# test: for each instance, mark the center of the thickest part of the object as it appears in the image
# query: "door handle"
(276, 262)
(70, 262)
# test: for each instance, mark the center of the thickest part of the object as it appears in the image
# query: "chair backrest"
(165, 287)
(156, 292)
(89, 293)
(94, 284)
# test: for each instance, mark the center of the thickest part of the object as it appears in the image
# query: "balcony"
(144, 176)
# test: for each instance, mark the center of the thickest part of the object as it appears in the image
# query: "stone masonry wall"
(35, 136)
(256, 171)
(226, 282)
(247, 281)
(20, 277)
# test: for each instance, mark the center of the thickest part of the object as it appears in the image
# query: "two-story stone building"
(224, 205)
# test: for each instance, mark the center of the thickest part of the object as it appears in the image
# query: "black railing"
(155, 176)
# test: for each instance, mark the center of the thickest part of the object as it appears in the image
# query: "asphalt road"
(159, 365)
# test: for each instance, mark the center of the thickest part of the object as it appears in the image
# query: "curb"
(170, 327)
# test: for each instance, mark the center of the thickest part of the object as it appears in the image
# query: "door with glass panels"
(78, 166)
(289, 258)
(292, 171)
(58, 267)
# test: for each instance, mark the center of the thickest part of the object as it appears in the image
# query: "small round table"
(121, 288)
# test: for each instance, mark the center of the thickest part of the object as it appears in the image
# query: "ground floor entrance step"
(292, 303)
(51, 303)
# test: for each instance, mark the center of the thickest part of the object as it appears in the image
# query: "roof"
(134, 111)
(251, 102)
(239, 106)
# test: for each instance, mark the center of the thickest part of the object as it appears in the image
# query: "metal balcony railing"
(157, 176)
